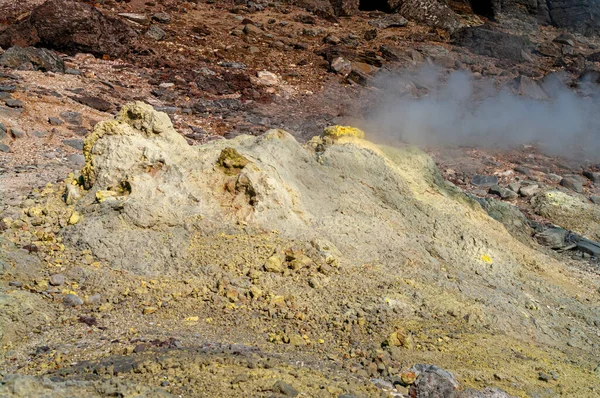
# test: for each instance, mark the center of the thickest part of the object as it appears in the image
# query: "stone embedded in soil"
(57, 279)
(572, 183)
(592, 176)
(76, 159)
(284, 388)
(504, 193)
(529, 190)
(484, 180)
(54, 121)
(94, 102)
(4, 148)
(433, 381)
(162, 17)
(156, 33)
(77, 144)
(71, 117)
(14, 103)
(274, 264)
(72, 300)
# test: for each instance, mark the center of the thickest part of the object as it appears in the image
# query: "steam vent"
(312, 198)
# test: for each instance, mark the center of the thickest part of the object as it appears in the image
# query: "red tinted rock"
(78, 27)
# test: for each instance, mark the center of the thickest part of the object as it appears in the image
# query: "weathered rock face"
(484, 41)
(77, 26)
(71, 27)
(345, 8)
(430, 12)
(582, 16)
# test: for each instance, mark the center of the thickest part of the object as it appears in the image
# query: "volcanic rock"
(72, 27)
(430, 12)
(433, 381)
(572, 183)
(389, 21)
(484, 41)
(31, 58)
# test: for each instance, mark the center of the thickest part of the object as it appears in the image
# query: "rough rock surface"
(31, 58)
(570, 212)
(70, 26)
(484, 41)
(430, 12)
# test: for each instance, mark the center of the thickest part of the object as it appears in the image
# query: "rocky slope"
(143, 254)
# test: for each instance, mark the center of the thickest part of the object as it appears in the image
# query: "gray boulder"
(31, 58)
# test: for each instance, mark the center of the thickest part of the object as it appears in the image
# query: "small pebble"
(57, 279)
(72, 300)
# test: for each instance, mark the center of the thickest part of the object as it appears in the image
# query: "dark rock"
(523, 170)
(94, 102)
(572, 183)
(284, 388)
(484, 180)
(595, 199)
(54, 121)
(565, 38)
(581, 16)
(162, 17)
(19, 34)
(504, 193)
(156, 33)
(321, 8)
(433, 382)
(3, 131)
(71, 117)
(31, 58)
(594, 177)
(484, 41)
(4, 148)
(77, 144)
(72, 71)
(430, 12)
(306, 19)
(345, 8)
(370, 34)
(11, 88)
(72, 300)
(549, 50)
(544, 377)
(17, 133)
(331, 39)
(74, 27)
(14, 103)
(389, 21)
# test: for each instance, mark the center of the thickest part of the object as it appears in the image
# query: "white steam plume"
(460, 110)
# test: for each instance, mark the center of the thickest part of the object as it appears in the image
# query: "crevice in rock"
(377, 5)
(485, 8)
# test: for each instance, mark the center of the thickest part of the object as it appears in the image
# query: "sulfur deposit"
(260, 266)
